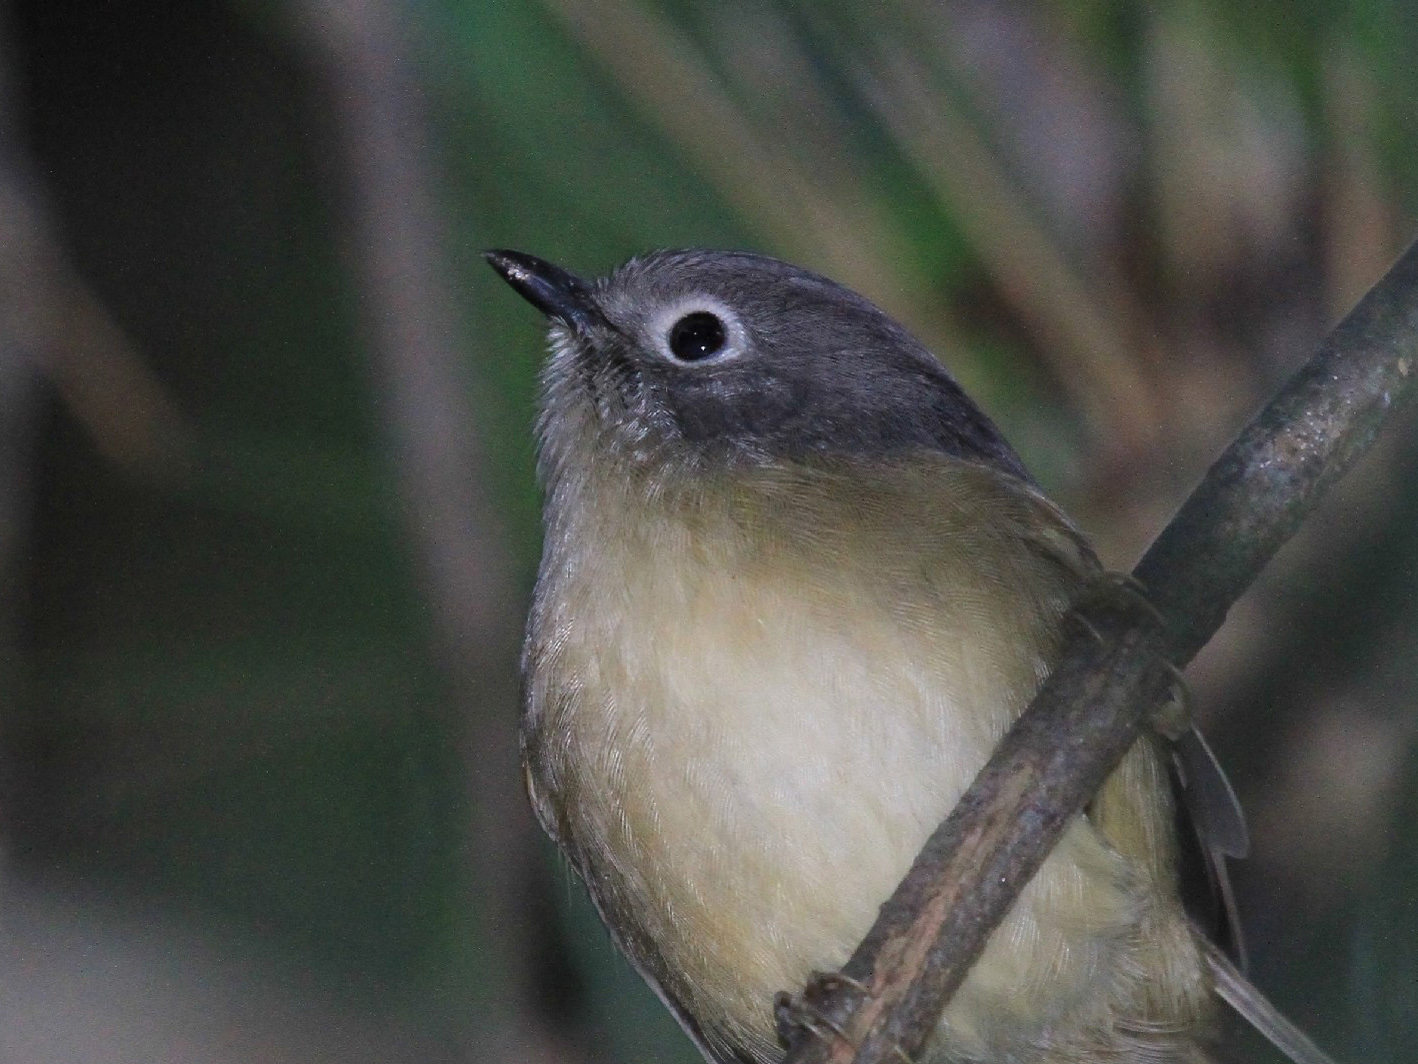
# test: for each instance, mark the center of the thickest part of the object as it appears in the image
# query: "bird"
(795, 586)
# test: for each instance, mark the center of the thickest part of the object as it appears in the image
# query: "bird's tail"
(1256, 1009)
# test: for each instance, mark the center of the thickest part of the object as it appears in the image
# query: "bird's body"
(750, 721)
(764, 662)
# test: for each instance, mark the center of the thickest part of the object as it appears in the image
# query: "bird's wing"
(1208, 802)
(1211, 813)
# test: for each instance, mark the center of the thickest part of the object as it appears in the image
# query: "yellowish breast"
(749, 709)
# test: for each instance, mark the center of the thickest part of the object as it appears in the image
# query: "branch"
(1118, 663)
(55, 323)
(427, 391)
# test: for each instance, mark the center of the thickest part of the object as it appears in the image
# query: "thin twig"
(61, 327)
(19, 391)
(810, 206)
(1091, 332)
(1090, 710)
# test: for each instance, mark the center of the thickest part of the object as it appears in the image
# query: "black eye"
(697, 336)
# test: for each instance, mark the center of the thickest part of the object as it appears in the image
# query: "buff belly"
(742, 751)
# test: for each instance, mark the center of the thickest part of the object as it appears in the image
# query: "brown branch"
(426, 401)
(56, 323)
(52, 322)
(19, 389)
(1117, 665)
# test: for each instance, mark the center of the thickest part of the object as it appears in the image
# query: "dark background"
(267, 509)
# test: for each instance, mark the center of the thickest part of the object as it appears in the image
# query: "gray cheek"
(747, 410)
(735, 410)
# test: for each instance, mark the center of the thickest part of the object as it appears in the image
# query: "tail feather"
(1253, 1007)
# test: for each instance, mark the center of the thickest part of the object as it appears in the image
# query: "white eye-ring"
(697, 330)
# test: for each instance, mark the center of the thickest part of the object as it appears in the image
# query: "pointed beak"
(557, 293)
